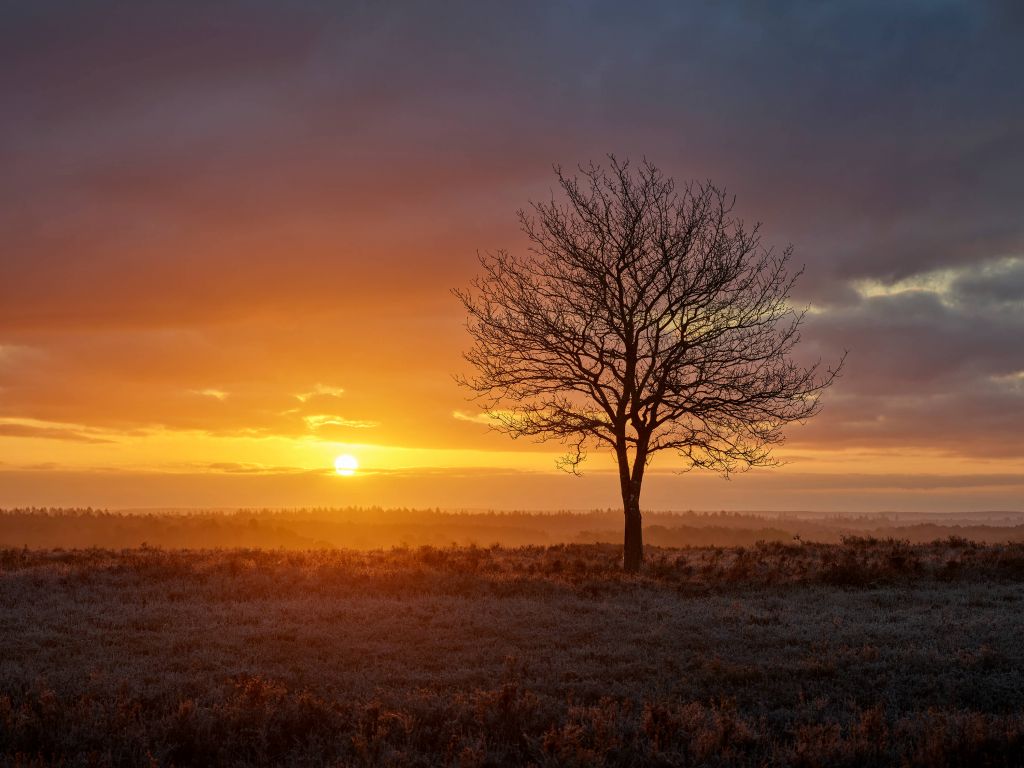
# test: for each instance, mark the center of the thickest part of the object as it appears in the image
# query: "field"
(868, 652)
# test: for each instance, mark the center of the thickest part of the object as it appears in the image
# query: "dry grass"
(866, 653)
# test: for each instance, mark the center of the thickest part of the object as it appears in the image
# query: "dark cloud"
(998, 286)
(935, 360)
(915, 343)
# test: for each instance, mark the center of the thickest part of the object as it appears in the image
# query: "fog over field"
(370, 528)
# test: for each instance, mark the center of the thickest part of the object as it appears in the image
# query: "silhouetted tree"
(645, 318)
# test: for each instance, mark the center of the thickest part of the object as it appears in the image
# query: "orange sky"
(229, 238)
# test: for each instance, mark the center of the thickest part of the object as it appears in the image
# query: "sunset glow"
(228, 252)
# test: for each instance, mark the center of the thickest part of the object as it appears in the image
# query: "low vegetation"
(868, 652)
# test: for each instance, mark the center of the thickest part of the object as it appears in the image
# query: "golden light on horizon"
(346, 465)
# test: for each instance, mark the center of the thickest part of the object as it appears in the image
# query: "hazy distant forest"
(371, 528)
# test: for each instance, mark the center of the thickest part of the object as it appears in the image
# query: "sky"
(229, 231)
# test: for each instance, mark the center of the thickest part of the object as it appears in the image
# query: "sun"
(346, 465)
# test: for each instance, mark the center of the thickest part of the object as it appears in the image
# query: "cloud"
(237, 468)
(934, 361)
(246, 147)
(320, 390)
(935, 330)
(216, 394)
(992, 284)
(1012, 381)
(473, 418)
(320, 420)
(31, 428)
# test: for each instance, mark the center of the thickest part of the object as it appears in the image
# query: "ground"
(868, 652)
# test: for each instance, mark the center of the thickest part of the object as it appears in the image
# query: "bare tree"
(645, 318)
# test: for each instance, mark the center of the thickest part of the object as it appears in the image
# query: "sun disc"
(346, 465)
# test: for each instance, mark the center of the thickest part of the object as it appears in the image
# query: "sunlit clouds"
(319, 389)
(975, 287)
(320, 420)
(216, 394)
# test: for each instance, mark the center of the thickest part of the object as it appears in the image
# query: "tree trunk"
(633, 541)
(630, 480)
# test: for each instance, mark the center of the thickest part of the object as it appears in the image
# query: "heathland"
(865, 652)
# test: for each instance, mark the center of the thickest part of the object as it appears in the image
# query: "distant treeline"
(373, 528)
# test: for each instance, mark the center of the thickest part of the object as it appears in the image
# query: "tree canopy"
(644, 318)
